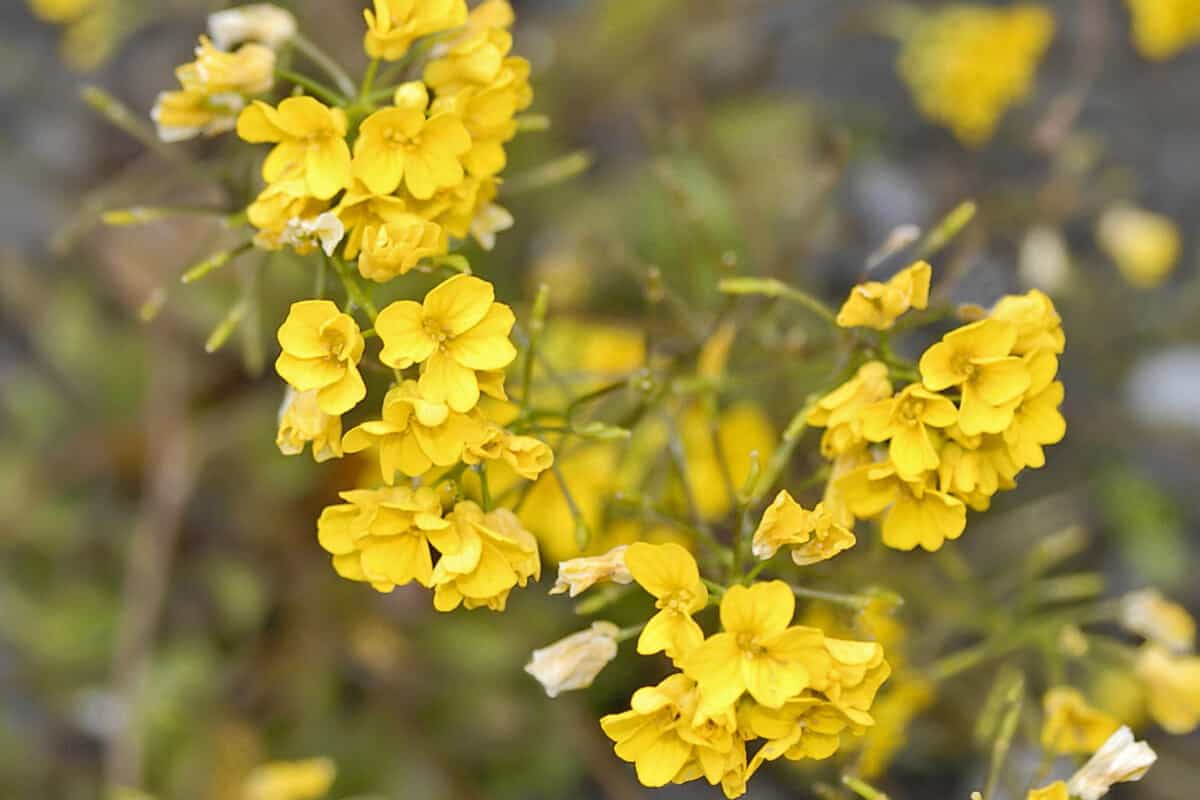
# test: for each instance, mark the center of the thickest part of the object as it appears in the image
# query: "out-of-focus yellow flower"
(186, 114)
(967, 64)
(321, 350)
(301, 421)
(258, 22)
(878, 305)
(400, 144)
(758, 651)
(893, 712)
(1072, 725)
(575, 661)
(576, 575)
(457, 330)
(669, 573)
(60, 11)
(590, 473)
(1172, 687)
(291, 780)
(919, 515)
(1144, 245)
(1162, 28)
(396, 24)
(1119, 760)
(492, 554)
(742, 430)
(1053, 791)
(414, 433)
(382, 536)
(310, 141)
(839, 411)
(976, 359)
(904, 422)
(393, 248)
(813, 535)
(1149, 614)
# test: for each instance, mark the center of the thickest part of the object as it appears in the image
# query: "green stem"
(583, 534)
(770, 287)
(314, 88)
(321, 59)
(354, 290)
(781, 456)
(368, 80)
(856, 601)
(485, 492)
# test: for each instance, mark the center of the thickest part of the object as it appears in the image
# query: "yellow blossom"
(807, 727)
(1144, 245)
(1172, 687)
(527, 456)
(669, 573)
(967, 64)
(1119, 760)
(488, 112)
(813, 535)
(1149, 614)
(475, 59)
(919, 514)
(575, 661)
(360, 209)
(396, 24)
(893, 714)
(321, 350)
(1053, 791)
(1162, 28)
(309, 140)
(1072, 725)
(1039, 327)
(976, 359)
(248, 70)
(291, 780)
(743, 433)
(839, 411)
(61, 11)
(457, 330)
(186, 114)
(491, 554)
(258, 22)
(1037, 421)
(904, 421)
(414, 433)
(301, 421)
(579, 574)
(276, 206)
(758, 651)
(393, 248)
(973, 468)
(878, 305)
(853, 673)
(383, 536)
(400, 144)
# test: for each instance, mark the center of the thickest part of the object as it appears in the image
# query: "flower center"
(911, 410)
(747, 642)
(434, 331)
(679, 601)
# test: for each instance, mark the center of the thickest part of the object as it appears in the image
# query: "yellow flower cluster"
(423, 168)
(1162, 28)
(985, 405)
(760, 678)
(1166, 664)
(967, 64)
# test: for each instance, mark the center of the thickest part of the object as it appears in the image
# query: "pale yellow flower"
(575, 661)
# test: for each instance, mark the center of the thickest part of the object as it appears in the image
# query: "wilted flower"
(579, 574)
(1119, 760)
(1149, 614)
(258, 22)
(575, 661)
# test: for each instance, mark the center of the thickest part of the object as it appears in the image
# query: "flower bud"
(574, 662)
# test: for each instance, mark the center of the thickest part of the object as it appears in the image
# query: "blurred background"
(163, 599)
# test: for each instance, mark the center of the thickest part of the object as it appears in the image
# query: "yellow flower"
(527, 456)
(291, 780)
(757, 652)
(1072, 725)
(475, 59)
(258, 22)
(321, 350)
(904, 422)
(360, 209)
(669, 573)
(973, 468)
(1162, 28)
(394, 248)
(576, 575)
(414, 433)
(248, 70)
(1036, 420)
(1119, 760)
(1144, 245)
(854, 671)
(1172, 686)
(276, 206)
(919, 515)
(492, 554)
(574, 661)
(489, 112)
(396, 24)
(893, 714)
(60, 11)
(807, 727)
(302, 421)
(382, 536)
(878, 305)
(813, 535)
(1149, 614)
(966, 64)
(839, 411)
(1039, 327)
(456, 331)
(976, 359)
(400, 144)
(649, 735)
(1053, 791)
(743, 432)
(186, 114)
(309, 141)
